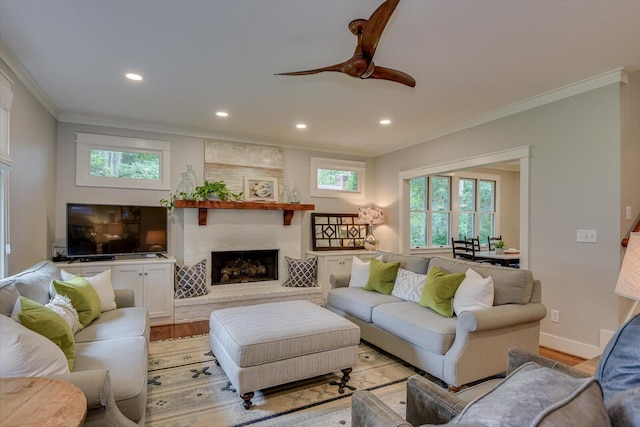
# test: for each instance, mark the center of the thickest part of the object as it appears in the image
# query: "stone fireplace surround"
(239, 230)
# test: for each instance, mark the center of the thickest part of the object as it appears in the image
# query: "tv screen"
(109, 230)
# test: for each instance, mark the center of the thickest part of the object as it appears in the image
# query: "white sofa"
(457, 350)
(111, 352)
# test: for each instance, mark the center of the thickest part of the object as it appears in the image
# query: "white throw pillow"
(474, 293)
(408, 285)
(102, 284)
(25, 353)
(61, 304)
(360, 272)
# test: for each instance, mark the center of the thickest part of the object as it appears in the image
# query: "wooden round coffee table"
(40, 402)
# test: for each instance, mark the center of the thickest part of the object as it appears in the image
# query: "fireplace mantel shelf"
(202, 207)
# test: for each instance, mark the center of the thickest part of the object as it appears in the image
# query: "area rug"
(187, 388)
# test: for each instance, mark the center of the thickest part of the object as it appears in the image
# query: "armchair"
(429, 404)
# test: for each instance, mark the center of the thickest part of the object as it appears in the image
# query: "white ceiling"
(468, 58)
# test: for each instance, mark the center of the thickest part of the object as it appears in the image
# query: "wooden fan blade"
(337, 67)
(373, 30)
(392, 75)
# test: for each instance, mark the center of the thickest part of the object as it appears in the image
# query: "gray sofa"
(457, 350)
(111, 352)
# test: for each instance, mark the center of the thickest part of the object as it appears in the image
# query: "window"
(436, 213)
(109, 161)
(337, 178)
(6, 97)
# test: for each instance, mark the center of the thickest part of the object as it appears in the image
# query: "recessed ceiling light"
(301, 126)
(222, 114)
(385, 122)
(133, 76)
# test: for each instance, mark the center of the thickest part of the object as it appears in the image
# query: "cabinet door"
(158, 290)
(130, 277)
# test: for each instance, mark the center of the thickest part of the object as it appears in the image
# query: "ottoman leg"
(346, 372)
(246, 399)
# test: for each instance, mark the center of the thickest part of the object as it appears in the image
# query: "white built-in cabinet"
(335, 262)
(150, 278)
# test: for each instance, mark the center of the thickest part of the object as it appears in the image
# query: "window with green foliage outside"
(436, 213)
(341, 180)
(124, 164)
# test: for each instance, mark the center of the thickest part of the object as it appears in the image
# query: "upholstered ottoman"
(265, 345)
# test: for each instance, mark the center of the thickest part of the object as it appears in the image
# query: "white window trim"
(358, 167)
(523, 154)
(6, 98)
(85, 142)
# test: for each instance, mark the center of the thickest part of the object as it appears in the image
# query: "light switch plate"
(587, 236)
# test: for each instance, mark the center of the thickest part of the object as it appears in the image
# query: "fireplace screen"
(244, 266)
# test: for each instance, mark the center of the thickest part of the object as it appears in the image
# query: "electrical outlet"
(555, 316)
(628, 212)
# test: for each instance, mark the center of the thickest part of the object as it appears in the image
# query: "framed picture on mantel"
(259, 189)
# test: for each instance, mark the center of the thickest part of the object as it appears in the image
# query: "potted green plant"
(499, 247)
(216, 190)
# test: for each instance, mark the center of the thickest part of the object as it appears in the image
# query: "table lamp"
(628, 284)
(370, 216)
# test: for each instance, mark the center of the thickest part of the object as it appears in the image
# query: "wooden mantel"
(287, 208)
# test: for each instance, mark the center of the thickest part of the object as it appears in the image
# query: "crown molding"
(25, 77)
(619, 75)
(86, 119)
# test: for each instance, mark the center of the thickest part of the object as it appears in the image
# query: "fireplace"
(229, 267)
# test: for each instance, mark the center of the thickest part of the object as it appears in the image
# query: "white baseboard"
(569, 346)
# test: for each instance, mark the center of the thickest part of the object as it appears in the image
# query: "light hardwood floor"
(202, 327)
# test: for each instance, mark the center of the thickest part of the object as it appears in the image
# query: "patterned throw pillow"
(302, 273)
(191, 281)
(408, 285)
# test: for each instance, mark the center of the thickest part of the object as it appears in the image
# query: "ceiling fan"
(361, 63)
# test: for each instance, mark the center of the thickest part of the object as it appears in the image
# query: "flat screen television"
(95, 231)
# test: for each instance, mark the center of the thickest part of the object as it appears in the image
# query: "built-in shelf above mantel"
(287, 208)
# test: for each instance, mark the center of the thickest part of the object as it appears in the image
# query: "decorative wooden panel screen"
(337, 232)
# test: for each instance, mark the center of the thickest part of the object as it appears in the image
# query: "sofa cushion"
(417, 264)
(360, 272)
(382, 276)
(47, 323)
(101, 282)
(123, 322)
(126, 360)
(418, 325)
(618, 368)
(439, 289)
(474, 293)
(408, 285)
(61, 304)
(8, 296)
(357, 302)
(33, 282)
(511, 285)
(25, 353)
(536, 396)
(84, 298)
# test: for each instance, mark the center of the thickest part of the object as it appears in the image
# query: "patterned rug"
(187, 388)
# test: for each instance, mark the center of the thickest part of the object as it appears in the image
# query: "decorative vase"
(191, 180)
(294, 196)
(499, 251)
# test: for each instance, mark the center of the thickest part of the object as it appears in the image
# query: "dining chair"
(463, 249)
(493, 239)
(475, 241)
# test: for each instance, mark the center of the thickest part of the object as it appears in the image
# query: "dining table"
(506, 258)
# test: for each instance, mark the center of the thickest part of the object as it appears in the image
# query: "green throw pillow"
(439, 289)
(47, 323)
(83, 297)
(382, 276)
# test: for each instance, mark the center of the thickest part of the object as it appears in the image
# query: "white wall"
(32, 189)
(575, 183)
